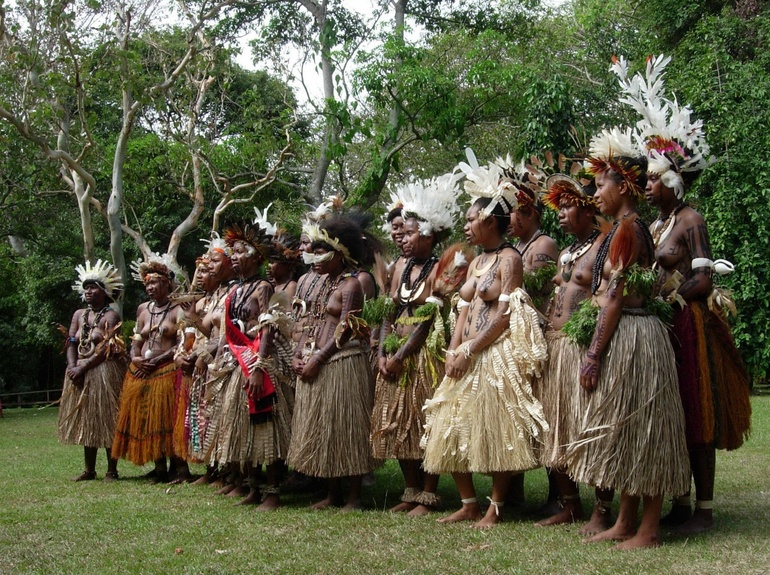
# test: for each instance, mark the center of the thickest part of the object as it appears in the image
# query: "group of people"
(610, 363)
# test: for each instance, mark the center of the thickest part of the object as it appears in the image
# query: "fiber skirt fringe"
(269, 441)
(563, 400)
(88, 415)
(232, 429)
(146, 418)
(214, 397)
(398, 421)
(181, 404)
(197, 422)
(713, 383)
(332, 414)
(632, 432)
(489, 420)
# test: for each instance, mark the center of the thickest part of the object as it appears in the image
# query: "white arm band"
(462, 303)
(437, 300)
(722, 267)
(504, 298)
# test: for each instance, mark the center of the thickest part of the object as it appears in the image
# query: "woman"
(559, 389)
(145, 422)
(285, 260)
(483, 417)
(713, 383)
(410, 366)
(96, 365)
(632, 432)
(330, 432)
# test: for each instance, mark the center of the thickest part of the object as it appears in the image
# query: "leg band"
(704, 504)
(497, 505)
(469, 501)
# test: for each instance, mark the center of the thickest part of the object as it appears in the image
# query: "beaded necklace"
(408, 291)
(480, 272)
(537, 234)
(243, 295)
(574, 253)
(156, 328)
(604, 249)
(318, 309)
(85, 345)
(663, 227)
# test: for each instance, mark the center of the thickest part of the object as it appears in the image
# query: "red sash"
(246, 352)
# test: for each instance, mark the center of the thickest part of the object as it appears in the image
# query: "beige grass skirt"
(214, 398)
(88, 415)
(489, 420)
(332, 414)
(561, 395)
(632, 435)
(269, 441)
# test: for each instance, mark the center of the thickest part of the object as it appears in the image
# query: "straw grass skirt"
(489, 420)
(88, 415)
(398, 420)
(268, 441)
(713, 382)
(146, 418)
(632, 432)
(216, 388)
(181, 404)
(229, 444)
(332, 414)
(561, 395)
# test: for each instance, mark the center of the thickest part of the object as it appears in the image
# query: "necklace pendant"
(148, 354)
(566, 275)
(239, 291)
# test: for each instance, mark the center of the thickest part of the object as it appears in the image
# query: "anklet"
(704, 504)
(469, 501)
(497, 504)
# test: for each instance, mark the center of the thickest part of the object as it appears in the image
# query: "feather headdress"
(103, 274)
(617, 150)
(527, 177)
(490, 182)
(285, 248)
(262, 221)
(251, 234)
(324, 210)
(164, 266)
(432, 202)
(576, 192)
(217, 244)
(674, 142)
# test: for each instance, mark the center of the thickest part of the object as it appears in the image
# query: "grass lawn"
(50, 525)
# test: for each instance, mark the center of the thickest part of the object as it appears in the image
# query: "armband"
(463, 303)
(504, 298)
(435, 300)
(722, 267)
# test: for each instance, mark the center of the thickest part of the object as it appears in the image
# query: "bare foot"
(271, 503)
(323, 504)
(469, 512)
(421, 511)
(219, 483)
(404, 506)
(110, 476)
(253, 497)
(614, 533)
(678, 515)
(601, 520)
(239, 491)
(352, 506)
(202, 480)
(571, 512)
(85, 476)
(225, 489)
(491, 518)
(700, 522)
(638, 541)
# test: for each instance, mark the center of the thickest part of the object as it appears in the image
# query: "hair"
(438, 236)
(393, 214)
(102, 287)
(348, 232)
(502, 219)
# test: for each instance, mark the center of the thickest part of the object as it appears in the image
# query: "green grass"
(51, 525)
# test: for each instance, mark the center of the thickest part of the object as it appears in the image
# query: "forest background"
(129, 127)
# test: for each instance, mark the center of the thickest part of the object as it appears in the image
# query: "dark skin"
(347, 299)
(478, 326)
(77, 366)
(615, 200)
(687, 240)
(413, 245)
(573, 285)
(281, 274)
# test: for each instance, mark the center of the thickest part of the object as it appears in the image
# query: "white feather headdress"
(262, 221)
(103, 274)
(615, 149)
(673, 141)
(162, 265)
(324, 210)
(488, 181)
(217, 244)
(432, 202)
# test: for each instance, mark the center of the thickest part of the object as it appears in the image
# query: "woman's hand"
(77, 374)
(589, 372)
(458, 365)
(298, 365)
(254, 384)
(310, 370)
(394, 367)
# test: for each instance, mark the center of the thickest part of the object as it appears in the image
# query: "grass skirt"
(713, 383)
(146, 418)
(632, 432)
(181, 404)
(214, 397)
(562, 397)
(88, 415)
(196, 421)
(269, 441)
(398, 420)
(229, 444)
(330, 428)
